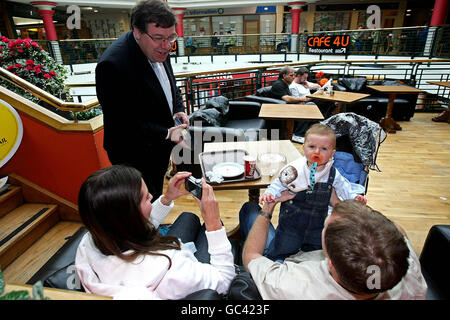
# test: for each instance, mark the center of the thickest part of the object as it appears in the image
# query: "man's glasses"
(160, 39)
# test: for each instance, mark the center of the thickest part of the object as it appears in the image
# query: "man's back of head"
(367, 251)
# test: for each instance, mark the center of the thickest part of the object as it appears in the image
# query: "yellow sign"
(11, 132)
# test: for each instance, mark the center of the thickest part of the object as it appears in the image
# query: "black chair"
(59, 271)
(375, 106)
(432, 260)
(263, 95)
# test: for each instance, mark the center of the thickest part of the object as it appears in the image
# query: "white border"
(19, 138)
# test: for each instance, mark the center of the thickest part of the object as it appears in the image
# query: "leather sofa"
(263, 95)
(59, 271)
(242, 123)
(432, 260)
(375, 106)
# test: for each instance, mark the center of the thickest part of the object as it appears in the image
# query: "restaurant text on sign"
(328, 44)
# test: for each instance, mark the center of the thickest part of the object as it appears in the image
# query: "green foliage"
(37, 292)
(86, 115)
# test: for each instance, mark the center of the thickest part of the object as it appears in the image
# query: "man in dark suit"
(137, 91)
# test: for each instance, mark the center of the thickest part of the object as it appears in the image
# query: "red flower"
(323, 81)
(37, 70)
(18, 65)
(47, 76)
(10, 67)
(53, 73)
(29, 68)
(30, 62)
(319, 74)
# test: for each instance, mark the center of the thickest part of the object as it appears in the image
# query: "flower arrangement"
(320, 77)
(28, 60)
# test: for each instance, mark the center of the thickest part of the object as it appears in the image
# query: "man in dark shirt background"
(280, 90)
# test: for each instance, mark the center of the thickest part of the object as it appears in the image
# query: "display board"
(328, 44)
(11, 132)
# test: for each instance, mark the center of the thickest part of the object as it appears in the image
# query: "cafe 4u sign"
(327, 44)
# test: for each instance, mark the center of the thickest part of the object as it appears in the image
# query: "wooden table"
(254, 148)
(440, 83)
(290, 113)
(387, 123)
(445, 84)
(340, 97)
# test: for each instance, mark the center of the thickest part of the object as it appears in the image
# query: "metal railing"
(237, 83)
(407, 41)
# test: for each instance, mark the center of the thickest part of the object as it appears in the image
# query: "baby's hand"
(266, 197)
(361, 199)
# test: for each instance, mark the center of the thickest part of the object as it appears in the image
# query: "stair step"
(10, 200)
(21, 227)
(25, 266)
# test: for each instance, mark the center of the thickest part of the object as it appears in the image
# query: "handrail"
(47, 97)
(278, 65)
(76, 107)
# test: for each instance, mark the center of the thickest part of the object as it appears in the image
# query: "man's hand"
(361, 199)
(285, 195)
(176, 134)
(174, 189)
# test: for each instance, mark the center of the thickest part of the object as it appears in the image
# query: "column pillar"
(179, 12)
(46, 10)
(439, 12)
(296, 9)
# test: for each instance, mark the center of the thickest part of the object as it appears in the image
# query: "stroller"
(357, 143)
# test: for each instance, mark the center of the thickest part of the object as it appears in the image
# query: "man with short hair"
(138, 94)
(280, 88)
(364, 256)
(300, 87)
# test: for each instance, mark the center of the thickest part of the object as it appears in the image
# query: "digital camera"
(194, 186)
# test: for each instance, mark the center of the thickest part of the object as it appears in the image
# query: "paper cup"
(250, 166)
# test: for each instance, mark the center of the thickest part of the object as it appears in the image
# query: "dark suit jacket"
(136, 113)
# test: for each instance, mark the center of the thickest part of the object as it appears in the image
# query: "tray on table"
(209, 159)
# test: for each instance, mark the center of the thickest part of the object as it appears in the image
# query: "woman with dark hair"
(125, 256)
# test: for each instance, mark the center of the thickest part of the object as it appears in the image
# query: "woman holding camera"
(125, 256)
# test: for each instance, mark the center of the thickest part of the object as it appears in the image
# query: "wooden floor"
(412, 189)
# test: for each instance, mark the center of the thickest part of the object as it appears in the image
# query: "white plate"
(228, 169)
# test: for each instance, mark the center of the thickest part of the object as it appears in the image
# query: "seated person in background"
(215, 43)
(230, 42)
(301, 88)
(312, 179)
(190, 43)
(280, 87)
(124, 255)
(364, 256)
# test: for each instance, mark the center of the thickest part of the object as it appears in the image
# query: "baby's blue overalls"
(301, 220)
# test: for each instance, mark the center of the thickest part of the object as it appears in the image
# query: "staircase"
(33, 226)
